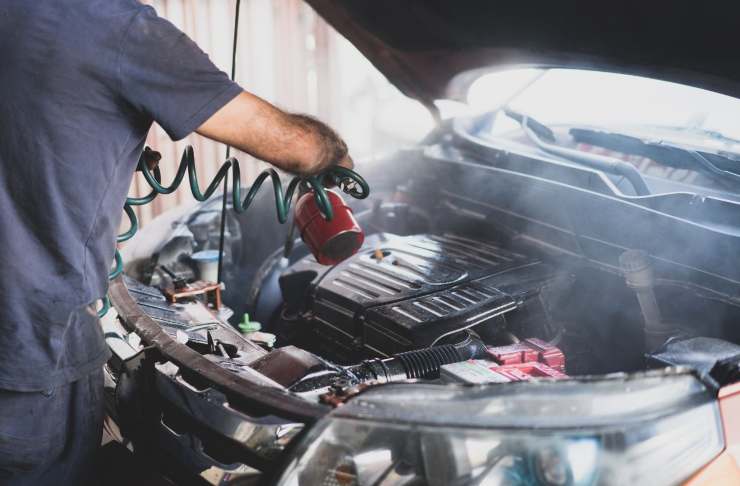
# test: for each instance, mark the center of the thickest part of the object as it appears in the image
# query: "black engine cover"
(401, 293)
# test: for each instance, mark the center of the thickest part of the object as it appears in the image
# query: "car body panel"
(422, 46)
(725, 468)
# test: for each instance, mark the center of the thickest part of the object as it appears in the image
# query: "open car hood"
(428, 48)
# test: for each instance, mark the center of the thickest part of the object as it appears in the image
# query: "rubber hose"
(283, 198)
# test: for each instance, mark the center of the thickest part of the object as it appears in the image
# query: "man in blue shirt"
(81, 83)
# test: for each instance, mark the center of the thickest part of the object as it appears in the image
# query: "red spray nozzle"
(329, 241)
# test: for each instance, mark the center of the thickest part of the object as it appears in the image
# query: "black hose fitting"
(423, 363)
(420, 363)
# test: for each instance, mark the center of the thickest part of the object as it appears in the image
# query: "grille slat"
(496, 250)
(425, 306)
(364, 278)
(474, 252)
(391, 272)
(446, 301)
(368, 294)
(405, 313)
(364, 284)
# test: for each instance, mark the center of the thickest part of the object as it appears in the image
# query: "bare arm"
(295, 143)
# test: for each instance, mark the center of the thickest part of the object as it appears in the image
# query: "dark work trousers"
(51, 437)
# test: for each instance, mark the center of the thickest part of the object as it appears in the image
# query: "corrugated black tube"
(425, 363)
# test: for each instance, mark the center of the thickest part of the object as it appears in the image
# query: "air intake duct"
(420, 363)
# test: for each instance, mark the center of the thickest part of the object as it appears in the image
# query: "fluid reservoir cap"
(205, 256)
(638, 271)
(207, 262)
(247, 325)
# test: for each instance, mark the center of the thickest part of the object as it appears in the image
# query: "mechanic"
(82, 82)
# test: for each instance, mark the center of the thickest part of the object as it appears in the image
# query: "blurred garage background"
(288, 55)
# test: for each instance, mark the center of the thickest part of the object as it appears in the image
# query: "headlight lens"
(654, 428)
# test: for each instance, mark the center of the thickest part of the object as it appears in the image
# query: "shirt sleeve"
(165, 75)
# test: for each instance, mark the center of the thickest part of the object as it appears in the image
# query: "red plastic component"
(329, 241)
(548, 354)
(530, 350)
(513, 354)
(527, 371)
(483, 371)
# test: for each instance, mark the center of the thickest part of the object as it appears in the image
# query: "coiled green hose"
(283, 199)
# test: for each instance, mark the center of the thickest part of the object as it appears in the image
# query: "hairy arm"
(295, 143)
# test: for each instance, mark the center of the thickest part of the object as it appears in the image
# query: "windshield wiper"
(536, 132)
(718, 166)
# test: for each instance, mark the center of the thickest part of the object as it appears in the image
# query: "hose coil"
(351, 181)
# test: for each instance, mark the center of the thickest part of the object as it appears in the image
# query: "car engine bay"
(437, 295)
(447, 306)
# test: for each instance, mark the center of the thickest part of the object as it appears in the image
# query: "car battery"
(527, 351)
(478, 371)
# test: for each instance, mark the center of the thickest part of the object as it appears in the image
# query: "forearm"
(295, 143)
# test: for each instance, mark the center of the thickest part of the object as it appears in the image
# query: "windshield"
(608, 105)
(578, 97)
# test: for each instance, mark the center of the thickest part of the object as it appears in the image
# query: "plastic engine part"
(529, 350)
(426, 362)
(484, 371)
(523, 361)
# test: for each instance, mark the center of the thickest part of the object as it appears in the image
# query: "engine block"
(402, 293)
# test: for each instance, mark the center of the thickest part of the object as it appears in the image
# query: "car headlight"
(654, 428)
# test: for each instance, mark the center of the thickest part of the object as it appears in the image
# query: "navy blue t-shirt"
(81, 82)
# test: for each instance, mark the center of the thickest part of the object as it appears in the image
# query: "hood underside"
(424, 46)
